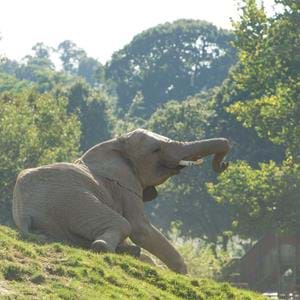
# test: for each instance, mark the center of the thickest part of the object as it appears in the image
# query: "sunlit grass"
(33, 269)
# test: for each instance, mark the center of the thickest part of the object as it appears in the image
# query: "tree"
(92, 71)
(70, 55)
(37, 69)
(35, 129)
(76, 62)
(8, 66)
(34, 66)
(40, 69)
(42, 56)
(268, 78)
(12, 84)
(170, 62)
(260, 200)
(91, 107)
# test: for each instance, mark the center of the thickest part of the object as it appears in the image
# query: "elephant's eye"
(156, 150)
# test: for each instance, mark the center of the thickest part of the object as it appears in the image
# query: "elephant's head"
(154, 158)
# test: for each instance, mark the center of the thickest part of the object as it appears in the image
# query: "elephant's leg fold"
(101, 246)
(111, 238)
(98, 223)
(129, 249)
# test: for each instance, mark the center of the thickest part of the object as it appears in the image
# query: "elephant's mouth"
(186, 162)
(174, 168)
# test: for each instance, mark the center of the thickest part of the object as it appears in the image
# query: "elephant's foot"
(131, 250)
(179, 267)
(100, 246)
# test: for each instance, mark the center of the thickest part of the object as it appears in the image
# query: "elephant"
(98, 201)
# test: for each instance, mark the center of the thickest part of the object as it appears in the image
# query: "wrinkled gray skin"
(98, 201)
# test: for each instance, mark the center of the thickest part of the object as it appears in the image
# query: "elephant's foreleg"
(145, 235)
(149, 238)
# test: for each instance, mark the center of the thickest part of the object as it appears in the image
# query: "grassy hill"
(33, 269)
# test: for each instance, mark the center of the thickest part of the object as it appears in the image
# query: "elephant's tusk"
(189, 163)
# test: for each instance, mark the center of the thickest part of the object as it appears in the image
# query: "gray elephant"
(98, 201)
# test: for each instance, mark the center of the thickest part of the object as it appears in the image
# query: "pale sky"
(100, 27)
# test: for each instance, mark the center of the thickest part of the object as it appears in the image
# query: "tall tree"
(91, 107)
(268, 80)
(92, 71)
(171, 61)
(70, 55)
(42, 55)
(37, 69)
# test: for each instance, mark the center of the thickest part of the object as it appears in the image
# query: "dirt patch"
(4, 290)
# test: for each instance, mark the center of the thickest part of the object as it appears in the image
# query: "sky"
(100, 27)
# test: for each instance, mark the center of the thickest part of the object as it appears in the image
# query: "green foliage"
(42, 56)
(171, 61)
(8, 66)
(40, 69)
(37, 68)
(34, 130)
(261, 200)
(70, 55)
(76, 63)
(274, 117)
(270, 74)
(72, 273)
(30, 73)
(200, 257)
(91, 107)
(12, 84)
(267, 82)
(175, 119)
(91, 70)
(135, 117)
(267, 50)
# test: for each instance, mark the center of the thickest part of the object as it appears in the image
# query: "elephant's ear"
(149, 193)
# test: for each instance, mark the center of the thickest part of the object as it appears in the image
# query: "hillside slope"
(33, 269)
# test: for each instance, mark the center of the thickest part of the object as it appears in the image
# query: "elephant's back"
(55, 178)
(43, 194)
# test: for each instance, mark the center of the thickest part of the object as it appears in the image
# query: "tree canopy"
(265, 198)
(170, 62)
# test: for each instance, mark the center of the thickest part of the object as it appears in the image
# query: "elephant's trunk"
(218, 147)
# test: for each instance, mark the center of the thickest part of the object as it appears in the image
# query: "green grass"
(30, 268)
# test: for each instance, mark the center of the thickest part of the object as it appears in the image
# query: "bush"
(35, 129)
(198, 255)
